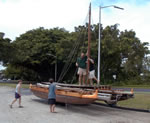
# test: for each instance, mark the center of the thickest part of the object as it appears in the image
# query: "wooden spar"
(89, 40)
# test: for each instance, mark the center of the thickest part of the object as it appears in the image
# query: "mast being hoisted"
(99, 46)
(89, 40)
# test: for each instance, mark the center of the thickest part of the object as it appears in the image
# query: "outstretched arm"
(76, 64)
(91, 60)
(86, 53)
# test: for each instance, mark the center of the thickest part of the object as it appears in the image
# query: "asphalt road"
(135, 89)
(37, 111)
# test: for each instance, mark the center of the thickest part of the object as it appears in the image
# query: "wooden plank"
(103, 87)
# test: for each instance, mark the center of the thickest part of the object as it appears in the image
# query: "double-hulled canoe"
(65, 94)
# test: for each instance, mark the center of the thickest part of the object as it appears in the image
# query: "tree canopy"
(32, 56)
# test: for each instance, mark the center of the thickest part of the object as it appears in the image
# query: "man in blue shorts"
(17, 94)
(52, 95)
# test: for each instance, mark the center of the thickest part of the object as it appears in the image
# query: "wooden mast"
(89, 40)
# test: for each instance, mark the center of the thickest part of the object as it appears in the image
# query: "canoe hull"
(63, 98)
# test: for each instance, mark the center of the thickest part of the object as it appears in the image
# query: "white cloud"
(135, 17)
(2, 67)
(22, 15)
(18, 16)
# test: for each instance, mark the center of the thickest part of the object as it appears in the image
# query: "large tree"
(6, 49)
(122, 53)
(134, 51)
(35, 50)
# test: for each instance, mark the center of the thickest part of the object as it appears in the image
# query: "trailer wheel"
(111, 104)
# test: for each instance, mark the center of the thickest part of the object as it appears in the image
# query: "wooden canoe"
(66, 95)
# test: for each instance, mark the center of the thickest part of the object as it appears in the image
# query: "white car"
(4, 80)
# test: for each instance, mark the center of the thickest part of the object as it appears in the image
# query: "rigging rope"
(72, 54)
(70, 58)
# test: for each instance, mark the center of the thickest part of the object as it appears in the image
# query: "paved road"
(37, 111)
(135, 89)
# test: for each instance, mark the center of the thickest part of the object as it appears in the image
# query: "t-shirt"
(91, 66)
(17, 88)
(82, 62)
(51, 94)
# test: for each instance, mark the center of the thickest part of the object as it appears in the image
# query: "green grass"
(133, 86)
(14, 85)
(140, 101)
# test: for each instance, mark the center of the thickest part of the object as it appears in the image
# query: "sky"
(19, 16)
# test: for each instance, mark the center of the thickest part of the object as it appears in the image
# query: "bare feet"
(10, 106)
(54, 112)
(20, 106)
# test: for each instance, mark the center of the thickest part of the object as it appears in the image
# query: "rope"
(70, 59)
(72, 55)
(74, 75)
(65, 69)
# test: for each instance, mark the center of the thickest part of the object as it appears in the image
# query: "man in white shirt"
(17, 94)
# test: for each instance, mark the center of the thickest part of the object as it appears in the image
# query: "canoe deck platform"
(101, 87)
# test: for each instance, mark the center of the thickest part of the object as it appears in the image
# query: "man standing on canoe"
(92, 72)
(81, 64)
(17, 94)
(52, 95)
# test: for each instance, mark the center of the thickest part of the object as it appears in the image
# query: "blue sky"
(19, 16)
(106, 2)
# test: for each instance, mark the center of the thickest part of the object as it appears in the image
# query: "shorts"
(92, 74)
(51, 101)
(81, 71)
(17, 96)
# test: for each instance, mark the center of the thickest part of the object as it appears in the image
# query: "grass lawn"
(133, 86)
(140, 101)
(14, 85)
